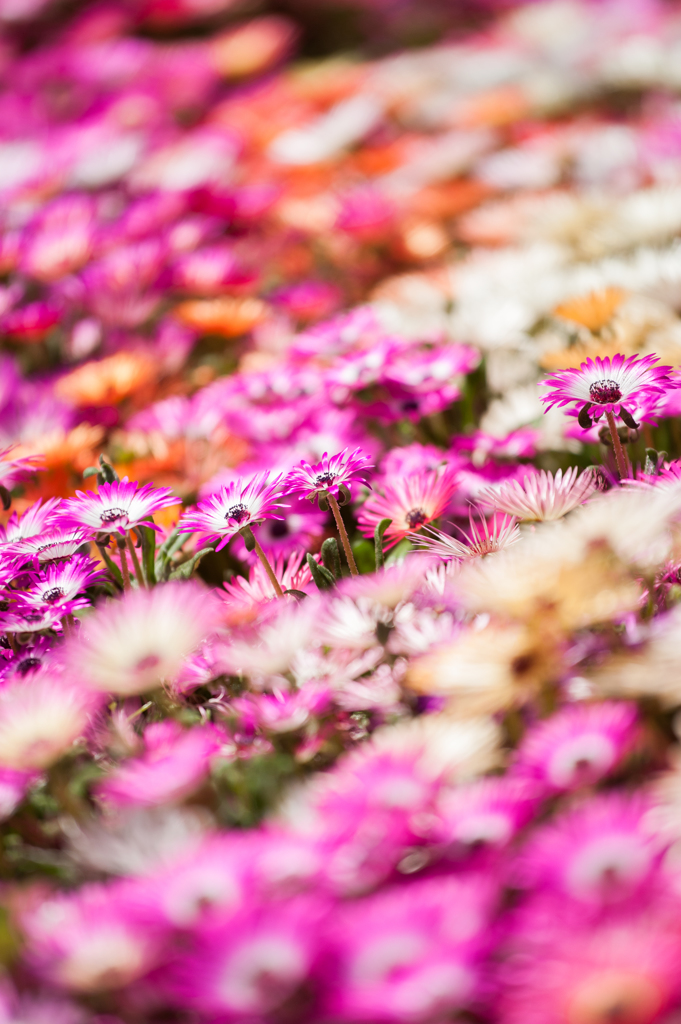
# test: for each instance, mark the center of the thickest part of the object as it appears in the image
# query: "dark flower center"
(26, 664)
(324, 479)
(238, 512)
(415, 517)
(110, 514)
(604, 391)
(50, 596)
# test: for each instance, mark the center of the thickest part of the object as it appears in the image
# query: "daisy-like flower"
(623, 385)
(31, 524)
(246, 596)
(52, 546)
(13, 471)
(329, 475)
(60, 584)
(116, 507)
(578, 746)
(40, 717)
(240, 503)
(541, 496)
(484, 537)
(411, 502)
(130, 645)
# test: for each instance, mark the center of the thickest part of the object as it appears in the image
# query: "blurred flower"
(41, 715)
(541, 496)
(134, 644)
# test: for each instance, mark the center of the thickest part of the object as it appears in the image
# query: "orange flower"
(594, 310)
(106, 381)
(253, 47)
(226, 316)
(66, 448)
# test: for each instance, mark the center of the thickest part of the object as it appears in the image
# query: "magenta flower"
(625, 385)
(96, 938)
(13, 471)
(597, 854)
(329, 475)
(52, 546)
(411, 953)
(116, 507)
(32, 523)
(174, 764)
(578, 746)
(411, 502)
(60, 584)
(240, 503)
(558, 967)
(248, 965)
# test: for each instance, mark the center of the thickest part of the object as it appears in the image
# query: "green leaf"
(184, 571)
(331, 557)
(298, 594)
(107, 472)
(111, 565)
(170, 546)
(248, 538)
(344, 495)
(378, 541)
(148, 553)
(363, 550)
(323, 501)
(320, 574)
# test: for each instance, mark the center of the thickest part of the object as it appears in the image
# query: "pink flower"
(53, 545)
(578, 746)
(116, 507)
(411, 953)
(252, 963)
(32, 523)
(605, 385)
(485, 536)
(558, 967)
(13, 788)
(247, 596)
(541, 496)
(13, 471)
(174, 764)
(597, 854)
(329, 475)
(41, 716)
(98, 938)
(482, 817)
(132, 644)
(410, 502)
(241, 503)
(58, 585)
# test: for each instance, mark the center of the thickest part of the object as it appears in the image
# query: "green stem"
(124, 569)
(268, 568)
(620, 458)
(343, 534)
(135, 561)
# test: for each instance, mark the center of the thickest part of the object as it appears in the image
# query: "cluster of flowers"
(340, 559)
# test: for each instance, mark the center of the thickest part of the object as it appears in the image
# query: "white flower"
(40, 718)
(133, 644)
(541, 496)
